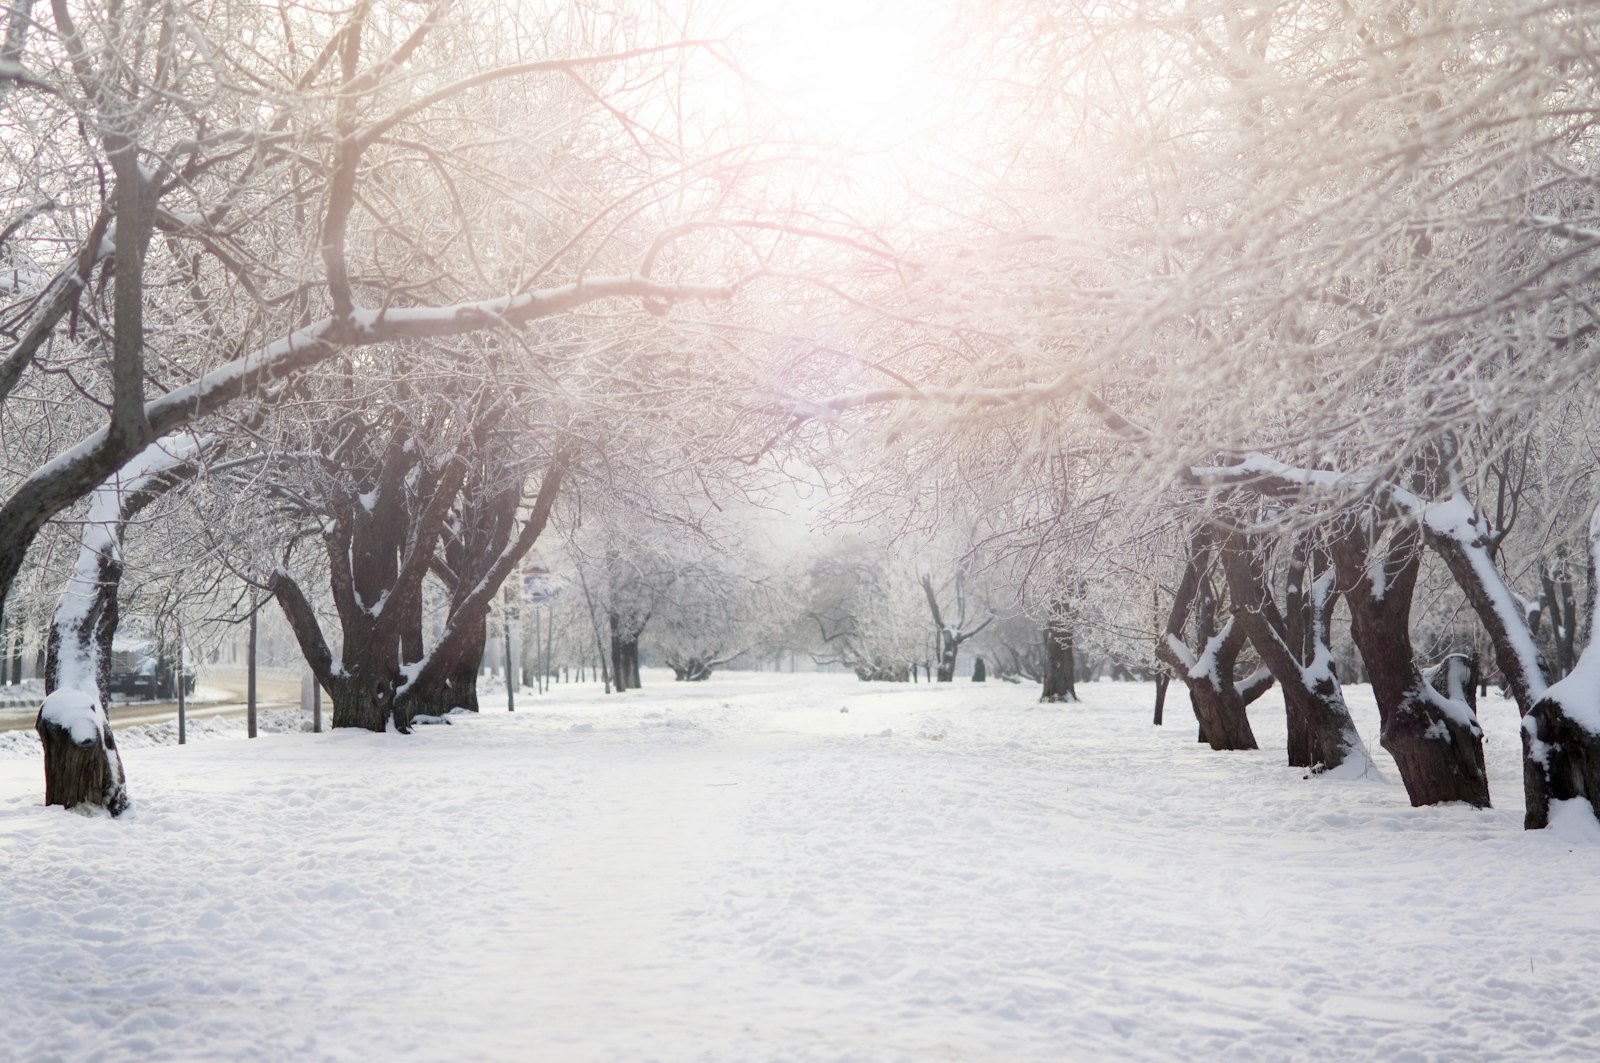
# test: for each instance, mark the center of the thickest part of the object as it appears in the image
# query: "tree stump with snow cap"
(81, 764)
(1561, 750)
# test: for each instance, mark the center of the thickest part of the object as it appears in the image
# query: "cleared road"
(272, 692)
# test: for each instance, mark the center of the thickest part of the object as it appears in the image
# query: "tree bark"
(457, 684)
(82, 770)
(78, 644)
(1218, 702)
(624, 656)
(1060, 679)
(1561, 731)
(1326, 737)
(1435, 739)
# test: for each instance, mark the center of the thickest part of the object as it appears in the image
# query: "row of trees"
(352, 296)
(1270, 309)
(1303, 293)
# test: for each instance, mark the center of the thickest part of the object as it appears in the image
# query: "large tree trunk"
(361, 702)
(1060, 680)
(361, 690)
(81, 764)
(1218, 702)
(81, 761)
(1562, 746)
(457, 684)
(380, 547)
(1561, 732)
(1324, 735)
(1435, 739)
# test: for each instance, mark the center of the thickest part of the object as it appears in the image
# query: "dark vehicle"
(141, 672)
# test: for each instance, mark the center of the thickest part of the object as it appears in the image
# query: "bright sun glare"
(862, 75)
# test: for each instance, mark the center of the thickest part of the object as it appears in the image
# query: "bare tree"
(954, 631)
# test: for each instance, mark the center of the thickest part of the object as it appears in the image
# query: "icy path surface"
(738, 871)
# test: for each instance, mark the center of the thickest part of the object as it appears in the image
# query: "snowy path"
(738, 871)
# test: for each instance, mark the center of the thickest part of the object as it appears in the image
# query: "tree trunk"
(1162, 679)
(1561, 732)
(948, 647)
(624, 657)
(691, 669)
(1218, 702)
(1561, 760)
(1060, 679)
(82, 766)
(457, 685)
(1435, 739)
(950, 635)
(1323, 736)
(361, 702)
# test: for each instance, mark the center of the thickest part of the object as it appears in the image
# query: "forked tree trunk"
(1218, 702)
(1325, 736)
(1435, 739)
(950, 635)
(380, 547)
(690, 669)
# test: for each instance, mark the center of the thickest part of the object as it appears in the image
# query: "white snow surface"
(736, 870)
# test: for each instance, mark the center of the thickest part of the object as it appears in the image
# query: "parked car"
(140, 671)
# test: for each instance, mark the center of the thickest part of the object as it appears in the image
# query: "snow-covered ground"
(738, 870)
